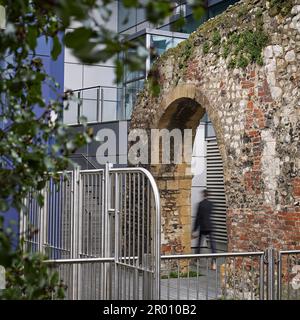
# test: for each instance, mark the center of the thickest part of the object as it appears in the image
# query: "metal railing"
(100, 214)
(101, 229)
(213, 276)
(97, 104)
(85, 279)
(288, 275)
(221, 276)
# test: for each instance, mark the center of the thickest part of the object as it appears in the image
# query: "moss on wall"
(282, 7)
(237, 35)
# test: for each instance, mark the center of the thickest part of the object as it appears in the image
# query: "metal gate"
(101, 231)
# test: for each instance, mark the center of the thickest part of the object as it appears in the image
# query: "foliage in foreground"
(27, 274)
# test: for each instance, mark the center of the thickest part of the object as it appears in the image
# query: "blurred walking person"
(203, 226)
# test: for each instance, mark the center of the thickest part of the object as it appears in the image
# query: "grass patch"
(175, 275)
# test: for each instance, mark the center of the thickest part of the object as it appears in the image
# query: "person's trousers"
(211, 241)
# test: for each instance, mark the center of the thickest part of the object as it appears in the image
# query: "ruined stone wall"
(243, 69)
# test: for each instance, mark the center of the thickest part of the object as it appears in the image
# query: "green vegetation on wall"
(245, 47)
(240, 47)
(237, 35)
(282, 7)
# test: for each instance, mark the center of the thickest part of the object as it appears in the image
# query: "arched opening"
(180, 184)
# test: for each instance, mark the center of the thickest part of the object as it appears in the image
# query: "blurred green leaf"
(56, 48)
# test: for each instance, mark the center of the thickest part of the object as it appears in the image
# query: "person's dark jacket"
(203, 218)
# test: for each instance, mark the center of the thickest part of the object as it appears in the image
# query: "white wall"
(78, 75)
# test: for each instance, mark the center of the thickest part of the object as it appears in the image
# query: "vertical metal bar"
(78, 107)
(129, 219)
(157, 253)
(134, 204)
(75, 233)
(261, 278)
(188, 275)
(297, 262)
(124, 283)
(102, 217)
(279, 276)
(288, 276)
(198, 282)
(234, 289)
(225, 278)
(207, 278)
(102, 104)
(148, 243)
(102, 221)
(270, 252)
(252, 278)
(51, 220)
(143, 222)
(107, 226)
(148, 227)
(23, 222)
(91, 215)
(117, 231)
(55, 225)
(138, 230)
(61, 220)
(82, 216)
(42, 222)
(98, 105)
(243, 278)
(125, 220)
(216, 278)
(79, 230)
(168, 270)
(178, 280)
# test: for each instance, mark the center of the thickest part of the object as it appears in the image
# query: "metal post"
(43, 220)
(261, 278)
(107, 227)
(270, 257)
(78, 107)
(279, 273)
(102, 104)
(23, 223)
(75, 232)
(117, 205)
(98, 105)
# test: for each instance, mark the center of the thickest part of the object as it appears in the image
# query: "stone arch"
(254, 106)
(182, 108)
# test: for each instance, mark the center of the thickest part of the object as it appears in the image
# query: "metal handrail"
(212, 255)
(85, 157)
(289, 252)
(95, 87)
(79, 260)
(99, 99)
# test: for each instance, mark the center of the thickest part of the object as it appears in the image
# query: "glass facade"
(99, 103)
(133, 20)
(157, 42)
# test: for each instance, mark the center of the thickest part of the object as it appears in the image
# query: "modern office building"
(109, 105)
(55, 70)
